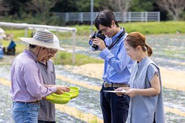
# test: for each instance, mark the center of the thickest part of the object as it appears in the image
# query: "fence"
(120, 16)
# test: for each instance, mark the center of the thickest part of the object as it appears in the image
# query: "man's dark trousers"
(114, 108)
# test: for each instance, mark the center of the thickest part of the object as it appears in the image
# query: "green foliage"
(75, 5)
(65, 58)
(54, 20)
(182, 16)
(16, 6)
(17, 33)
(169, 27)
(84, 5)
(156, 27)
(33, 19)
(65, 6)
(84, 31)
(44, 8)
(141, 5)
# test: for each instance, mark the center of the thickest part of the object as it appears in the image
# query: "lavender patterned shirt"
(26, 79)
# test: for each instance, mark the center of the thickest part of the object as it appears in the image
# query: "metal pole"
(56, 55)
(92, 17)
(26, 32)
(74, 43)
(158, 16)
(26, 35)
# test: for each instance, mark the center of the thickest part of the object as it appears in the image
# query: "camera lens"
(95, 47)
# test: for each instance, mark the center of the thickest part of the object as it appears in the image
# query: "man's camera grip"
(99, 35)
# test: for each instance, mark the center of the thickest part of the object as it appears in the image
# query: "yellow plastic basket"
(74, 92)
(59, 99)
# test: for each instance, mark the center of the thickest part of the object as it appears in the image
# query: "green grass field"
(84, 31)
(170, 27)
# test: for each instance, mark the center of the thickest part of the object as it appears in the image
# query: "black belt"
(114, 85)
(37, 102)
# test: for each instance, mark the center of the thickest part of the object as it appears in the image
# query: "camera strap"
(117, 39)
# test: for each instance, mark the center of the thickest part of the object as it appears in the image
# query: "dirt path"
(171, 78)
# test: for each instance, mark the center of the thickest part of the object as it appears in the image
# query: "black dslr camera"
(99, 35)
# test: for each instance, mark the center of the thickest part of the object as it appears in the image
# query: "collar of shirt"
(33, 56)
(142, 62)
(45, 65)
(116, 35)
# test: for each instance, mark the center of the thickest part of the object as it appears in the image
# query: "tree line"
(41, 11)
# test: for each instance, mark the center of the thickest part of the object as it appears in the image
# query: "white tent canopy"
(36, 26)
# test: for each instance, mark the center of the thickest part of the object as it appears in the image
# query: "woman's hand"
(120, 93)
(154, 90)
(131, 92)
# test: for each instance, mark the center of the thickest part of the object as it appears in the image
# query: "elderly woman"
(146, 105)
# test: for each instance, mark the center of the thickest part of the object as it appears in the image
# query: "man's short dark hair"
(105, 18)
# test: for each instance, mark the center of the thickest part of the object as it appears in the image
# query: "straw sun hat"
(44, 38)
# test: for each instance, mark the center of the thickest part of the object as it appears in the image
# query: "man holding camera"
(117, 66)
